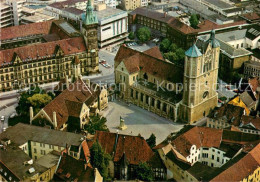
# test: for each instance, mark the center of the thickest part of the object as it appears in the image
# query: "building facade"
(204, 154)
(10, 13)
(133, 4)
(44, 52)
(149, 81)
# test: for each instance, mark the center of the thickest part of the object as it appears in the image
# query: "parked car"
(2, 118)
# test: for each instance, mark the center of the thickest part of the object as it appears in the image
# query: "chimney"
(67, 81)
(54, 120)
(31, 114)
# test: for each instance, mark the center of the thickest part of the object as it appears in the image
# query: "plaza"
(138, 121)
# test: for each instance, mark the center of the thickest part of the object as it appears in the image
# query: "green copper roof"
(213, 40)
(193, 52)
(90, 16)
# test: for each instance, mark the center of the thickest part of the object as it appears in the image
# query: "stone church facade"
(43, 52)
(185, 93)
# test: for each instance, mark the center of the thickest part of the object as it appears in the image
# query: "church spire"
(90, 16)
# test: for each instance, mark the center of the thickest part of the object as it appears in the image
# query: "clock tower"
(89, 31)
(200, 80)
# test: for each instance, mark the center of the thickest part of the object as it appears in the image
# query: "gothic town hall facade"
(43, 52)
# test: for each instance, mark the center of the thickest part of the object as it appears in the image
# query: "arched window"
(49, 69)
(7, 77)
(35, 72)
(30, 72)
(145, 76)
(44, 70)
(2, 78)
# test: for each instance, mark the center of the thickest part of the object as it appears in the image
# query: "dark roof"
(135, 148)
(71, 169)
(74, 10)
(251, 16)
(231, 113)
(182, 164)
(232, 10)
(12, 161)
(201, 171)
(41, 135)
(255, 121)
(136, 61)
(253, 32)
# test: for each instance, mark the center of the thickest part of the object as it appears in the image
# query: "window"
(35, 150)
(218, 159)
(212, 156)
(107, 28)
(49, 146)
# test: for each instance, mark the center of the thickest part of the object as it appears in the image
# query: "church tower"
(89, 28)
(200, 80)
(89, 31)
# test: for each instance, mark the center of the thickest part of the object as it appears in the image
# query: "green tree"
(144, 172)
(38, 101)
(131, 36)
(24, 104)
(96, 123)
(194, 21)
(165, 45)
(99, 159)
(143, 34)
(173, 47)
(151, 140)
(180, 53)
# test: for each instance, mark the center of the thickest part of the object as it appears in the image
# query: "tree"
(143, 34)
(24, 104)
(144, 172)
(151, 140)
(173, 47)
(96, 123)
(131, 36)
(38, 101)
(165, 45)
(99, 159)
(180, 53)
(194, 21)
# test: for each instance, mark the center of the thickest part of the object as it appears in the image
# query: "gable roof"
(69, 101)
(71, 169)
(135, 148)
(154, 52)
(232, 113)
(139, 61)
(40, 28)
(251, 119)
(246, 166)
(34, 52)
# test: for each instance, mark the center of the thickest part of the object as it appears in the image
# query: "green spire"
(91, 17)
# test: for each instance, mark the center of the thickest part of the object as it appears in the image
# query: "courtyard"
(138, 121)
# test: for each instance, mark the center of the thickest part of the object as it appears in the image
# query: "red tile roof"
(241, 169)
(43, 50)
(154, 52)
(135, 61)
(77, 92)
(135, 148)
(251, 16)
(182, 27)
(199, 136)
(251, 119)
(25, 30)
(70, 169)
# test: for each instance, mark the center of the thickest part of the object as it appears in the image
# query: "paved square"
(138, 121)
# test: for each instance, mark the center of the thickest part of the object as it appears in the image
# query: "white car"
(4, 129)
(2, 118)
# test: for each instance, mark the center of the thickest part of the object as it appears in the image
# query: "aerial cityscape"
(130, 90)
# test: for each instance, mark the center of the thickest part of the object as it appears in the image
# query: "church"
(43, 52)
(180, 93)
